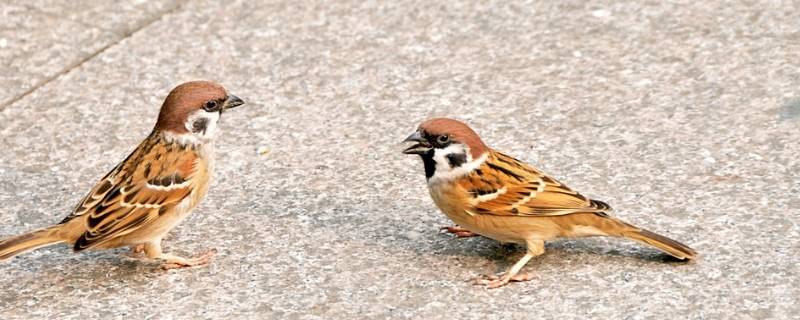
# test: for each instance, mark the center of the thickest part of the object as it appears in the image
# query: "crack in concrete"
(127, 34)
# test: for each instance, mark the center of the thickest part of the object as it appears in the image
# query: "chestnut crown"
(190, 97)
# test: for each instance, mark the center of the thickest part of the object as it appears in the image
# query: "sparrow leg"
(137, 250)
(153, 251)
(459, 232)
(535, 248)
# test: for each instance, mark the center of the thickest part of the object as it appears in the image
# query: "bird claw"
(491, 284)
(200, 260)
(497, 281)
(458, 231)
(522, 277)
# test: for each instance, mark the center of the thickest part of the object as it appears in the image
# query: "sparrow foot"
(497, 281)
(459, 232)
(175, 262)
(137, 250)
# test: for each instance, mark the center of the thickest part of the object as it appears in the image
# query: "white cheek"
(440, 156)
(210, 119)
(443, 170)
(213, 119)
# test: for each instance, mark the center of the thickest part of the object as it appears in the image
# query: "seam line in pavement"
(91, 56)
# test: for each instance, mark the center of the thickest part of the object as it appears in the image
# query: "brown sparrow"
(153, 189)
(494, 195)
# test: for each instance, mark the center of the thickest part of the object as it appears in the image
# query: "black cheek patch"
(200, 125)
(456, 159)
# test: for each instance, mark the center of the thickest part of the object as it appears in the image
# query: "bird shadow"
(100, 267)
(441, 243)
(425, 238)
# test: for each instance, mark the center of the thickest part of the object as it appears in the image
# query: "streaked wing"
(506, 186)
(150, 181)
(98, 193)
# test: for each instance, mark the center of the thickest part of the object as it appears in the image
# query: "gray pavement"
(684, 116)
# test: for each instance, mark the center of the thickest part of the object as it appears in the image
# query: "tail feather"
(671, 247)
(29, 241)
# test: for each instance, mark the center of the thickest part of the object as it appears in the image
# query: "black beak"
(420, 147)
(232, 102)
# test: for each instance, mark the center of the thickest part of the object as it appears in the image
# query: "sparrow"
(488, 193)
(152, 190)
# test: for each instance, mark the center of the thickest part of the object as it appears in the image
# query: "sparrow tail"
(29, 241)
(671, 247)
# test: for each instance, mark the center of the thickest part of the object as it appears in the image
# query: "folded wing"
(506, 186)
(148, 184)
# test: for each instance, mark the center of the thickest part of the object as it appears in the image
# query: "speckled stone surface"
(120, 17)
(684, 116)
(35, 46)
(42, 39)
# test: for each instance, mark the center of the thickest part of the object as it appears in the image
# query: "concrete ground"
(685, 116)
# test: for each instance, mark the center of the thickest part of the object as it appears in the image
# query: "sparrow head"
(449, 148)
(192, 110)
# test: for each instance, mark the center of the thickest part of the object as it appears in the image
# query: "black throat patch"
(430, 165)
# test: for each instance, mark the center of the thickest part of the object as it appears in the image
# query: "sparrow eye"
(211, 105)
(443, 139)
